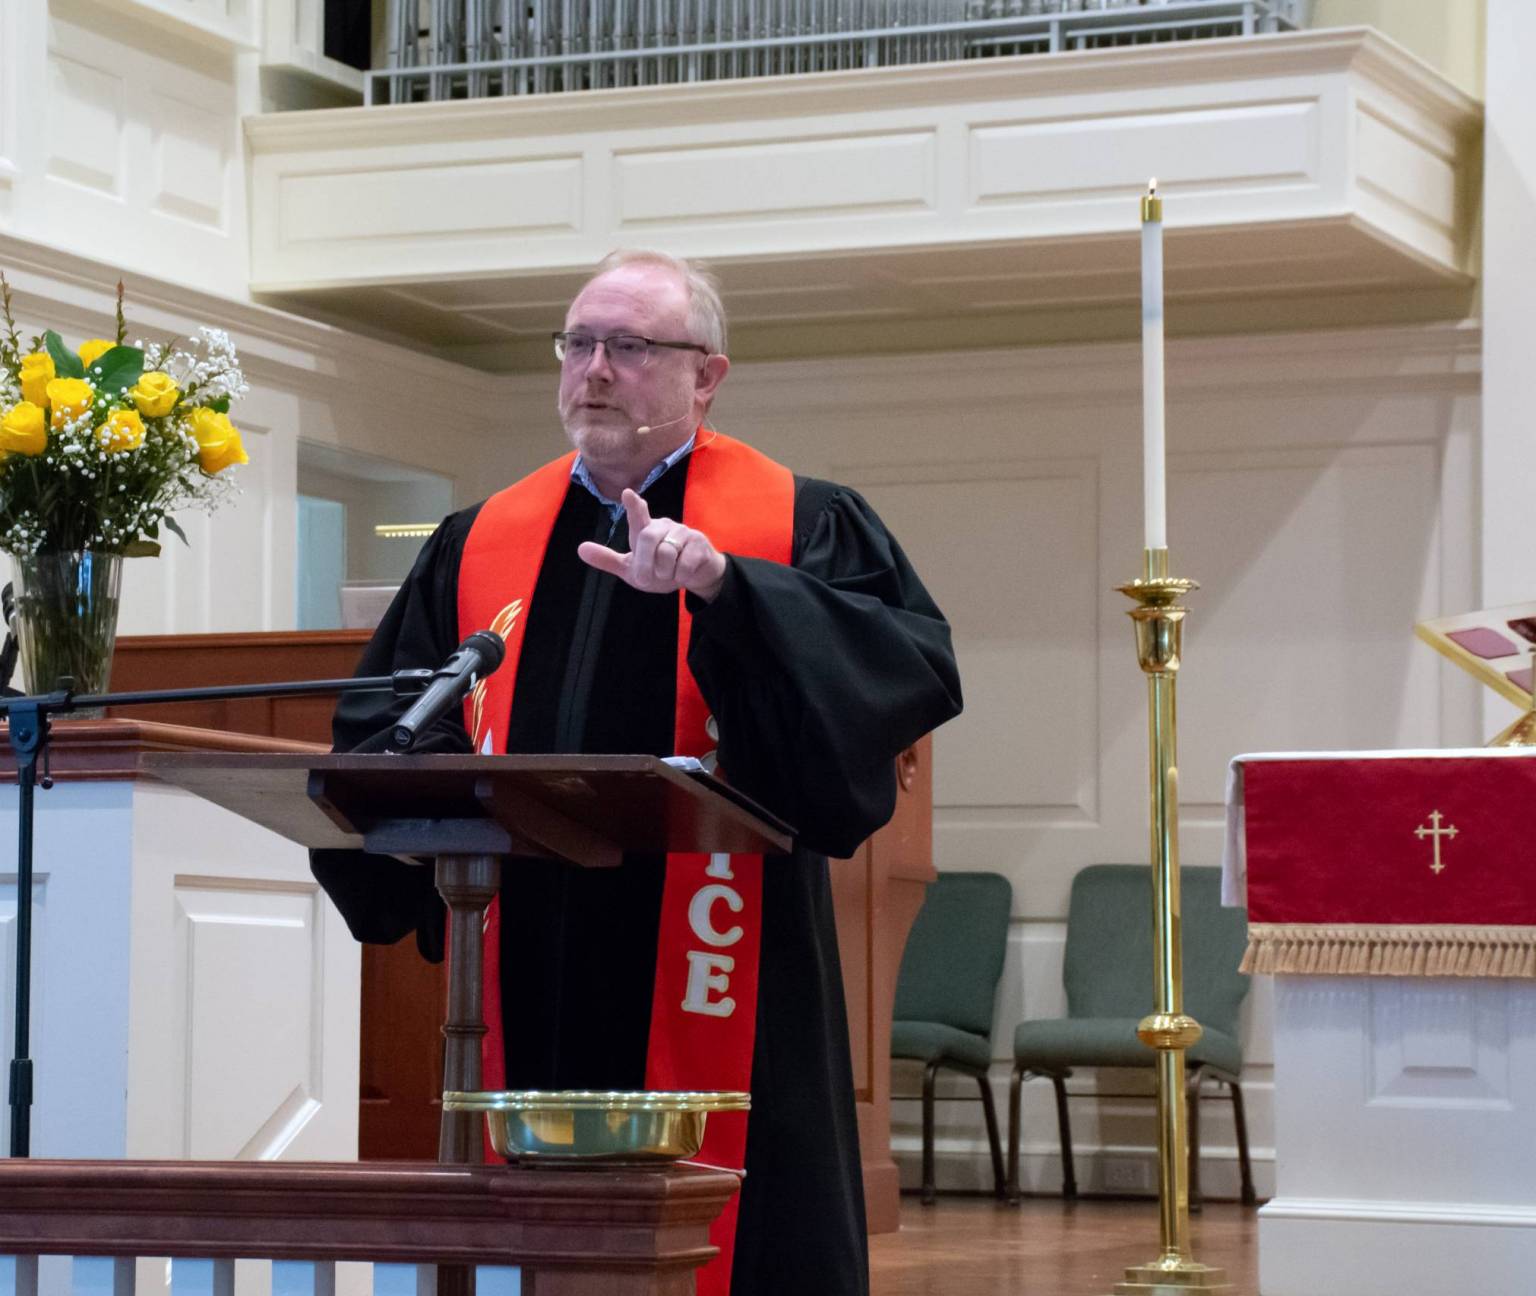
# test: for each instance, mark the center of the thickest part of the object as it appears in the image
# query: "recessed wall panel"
(250, 956)
(1090, 156)
(191, 154)
(432, 201)
(1283, 543)
(229, 589)
(85, 124)
(757, 181)
(1445, 1046)
(983, 538)
(1405, 166)
(245, 526)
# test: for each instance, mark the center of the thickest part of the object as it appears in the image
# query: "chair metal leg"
(1240, 1119)
(989, 1110)
(1064, 1126)
(1192, 1116)
(1015, 1085)
(929, 1191)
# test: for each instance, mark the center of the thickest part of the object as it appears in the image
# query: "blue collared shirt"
(615, 509)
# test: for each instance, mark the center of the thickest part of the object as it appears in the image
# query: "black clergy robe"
(818, 674)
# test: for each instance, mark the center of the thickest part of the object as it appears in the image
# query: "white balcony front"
(1310, 178)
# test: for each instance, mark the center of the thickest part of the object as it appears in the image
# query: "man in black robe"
(817, 674)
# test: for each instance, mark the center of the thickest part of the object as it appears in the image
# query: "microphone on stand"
(645, 429)
(478, 656)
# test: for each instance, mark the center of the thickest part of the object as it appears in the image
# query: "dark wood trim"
(86, 751)
(877, 895)
(169, 661)
(243, 640)
(614, 1220)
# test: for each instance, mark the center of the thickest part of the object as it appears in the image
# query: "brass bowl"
(583, 1126)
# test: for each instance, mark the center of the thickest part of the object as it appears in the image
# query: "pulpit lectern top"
(468, 813)
(587, 810)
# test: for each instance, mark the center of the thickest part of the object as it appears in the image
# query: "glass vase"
(66, 619)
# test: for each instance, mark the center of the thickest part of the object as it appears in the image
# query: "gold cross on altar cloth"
(1435, 832)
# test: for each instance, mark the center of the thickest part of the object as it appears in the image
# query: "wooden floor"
(974, 1246)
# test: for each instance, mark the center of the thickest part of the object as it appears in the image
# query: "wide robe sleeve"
(820, 673)
(380, 897)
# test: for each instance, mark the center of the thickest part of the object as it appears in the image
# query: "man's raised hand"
(663, 555)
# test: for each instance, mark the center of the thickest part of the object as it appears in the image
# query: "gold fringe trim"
(1364, 949)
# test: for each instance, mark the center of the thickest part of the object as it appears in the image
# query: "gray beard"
(604, 445)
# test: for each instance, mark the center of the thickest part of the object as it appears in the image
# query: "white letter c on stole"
(699, 914)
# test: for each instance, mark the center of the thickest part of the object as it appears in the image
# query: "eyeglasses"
(625, 350)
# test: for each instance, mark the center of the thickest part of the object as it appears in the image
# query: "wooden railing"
(523, 1232)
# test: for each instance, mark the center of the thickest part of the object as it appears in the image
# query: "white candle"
(1154, 485)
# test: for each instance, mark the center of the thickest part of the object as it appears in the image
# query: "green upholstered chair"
(1108, 977)
(946, 991)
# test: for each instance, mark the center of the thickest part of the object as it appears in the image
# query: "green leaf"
(66, 364)
(120, 368)
(174, 528)
(141, 549)
(220, 406)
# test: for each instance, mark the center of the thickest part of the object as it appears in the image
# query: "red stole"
(704, 1009)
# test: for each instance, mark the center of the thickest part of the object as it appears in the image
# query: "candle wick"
(1152, 187)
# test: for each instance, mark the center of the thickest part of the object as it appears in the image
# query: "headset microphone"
(646, 428)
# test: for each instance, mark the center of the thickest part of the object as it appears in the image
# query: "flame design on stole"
(501, 624)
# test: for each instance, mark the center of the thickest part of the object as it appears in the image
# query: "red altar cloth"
(1413, 865)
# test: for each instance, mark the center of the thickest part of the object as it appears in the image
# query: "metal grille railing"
(468, 49)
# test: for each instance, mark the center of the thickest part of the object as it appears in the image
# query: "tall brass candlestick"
(1159, 619)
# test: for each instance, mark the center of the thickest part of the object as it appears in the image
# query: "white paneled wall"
(1321, 490)
(121, 125)
(131, 147)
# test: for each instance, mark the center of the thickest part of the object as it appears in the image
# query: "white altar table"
(1404, 1110)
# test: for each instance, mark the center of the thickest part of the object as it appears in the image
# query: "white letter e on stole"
(707, 972)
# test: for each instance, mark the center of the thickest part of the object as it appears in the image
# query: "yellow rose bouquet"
(99, 446)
